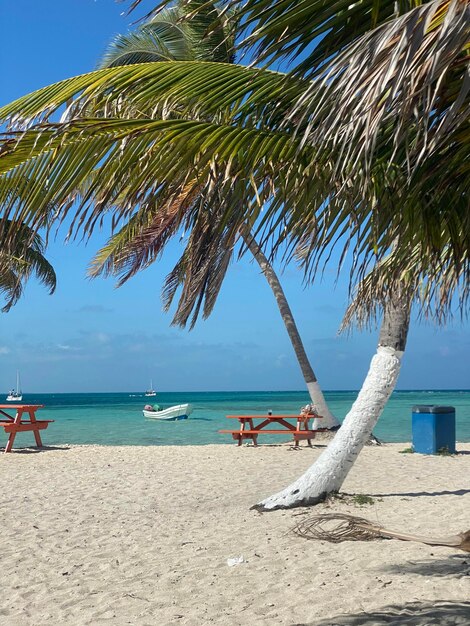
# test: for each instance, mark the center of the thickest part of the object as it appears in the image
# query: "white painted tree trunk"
(328, 472)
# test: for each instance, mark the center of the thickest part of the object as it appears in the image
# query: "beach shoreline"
(143, 535)
(117, 419)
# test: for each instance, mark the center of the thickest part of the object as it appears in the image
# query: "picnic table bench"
(250, 430)
(13, 425)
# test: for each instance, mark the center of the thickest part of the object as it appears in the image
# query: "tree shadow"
(35, 450)
(417, 494)
(288, 445)
(411, 614)
(456, 566)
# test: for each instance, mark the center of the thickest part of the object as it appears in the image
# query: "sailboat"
(150, 391)
(15, 395)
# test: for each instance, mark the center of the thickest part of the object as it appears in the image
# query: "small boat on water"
(150, 391)
(15, 395)
(176, 412)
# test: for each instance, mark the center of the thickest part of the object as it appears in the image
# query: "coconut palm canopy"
(371, 154)
(375, 63)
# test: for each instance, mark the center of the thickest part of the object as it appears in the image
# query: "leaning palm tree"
(19, 260)
(171, 37)
(232, 145)
(378, 98)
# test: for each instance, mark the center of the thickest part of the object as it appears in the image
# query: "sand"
(142, 535)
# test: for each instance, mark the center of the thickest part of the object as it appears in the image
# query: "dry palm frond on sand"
(337, 527)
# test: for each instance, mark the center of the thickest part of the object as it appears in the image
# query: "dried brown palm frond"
(418, 275)
(213, 234)
(138, 243)
(338, 527)
(408, 78)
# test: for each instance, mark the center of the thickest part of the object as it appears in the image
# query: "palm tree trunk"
(316, 395)
(328, 472)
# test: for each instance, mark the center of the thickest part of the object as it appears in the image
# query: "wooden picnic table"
(250, 430)
(16, 424)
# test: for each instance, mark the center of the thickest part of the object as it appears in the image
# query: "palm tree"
(19, 259)
(407, 110)
(232, 145)
(171, 37)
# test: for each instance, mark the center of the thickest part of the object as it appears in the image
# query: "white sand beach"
(142, 535)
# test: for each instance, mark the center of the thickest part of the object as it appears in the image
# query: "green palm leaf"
(165, 39)
(19, 259)
(246, 94)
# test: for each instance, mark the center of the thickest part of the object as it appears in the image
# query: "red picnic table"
(250, 430)
(17, 424)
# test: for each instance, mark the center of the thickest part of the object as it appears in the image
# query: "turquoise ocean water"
(116, 418)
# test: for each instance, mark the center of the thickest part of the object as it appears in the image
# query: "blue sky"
(90, 336)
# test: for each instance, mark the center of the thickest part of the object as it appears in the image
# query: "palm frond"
(432, 282)
(131, 156)
(398, 92)
(165, 39)
(203, 266)
(305, 32)
(126, 157)
(19, 259)
(382, 69)
(153, 88)
(143, 238)
(42, 269)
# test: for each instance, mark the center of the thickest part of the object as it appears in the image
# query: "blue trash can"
(433, 429)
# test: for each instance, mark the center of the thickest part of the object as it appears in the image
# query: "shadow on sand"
(35, 450)
(412, 614)
(419, 494)
(456, 566)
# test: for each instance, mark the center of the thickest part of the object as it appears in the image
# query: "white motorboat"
(176, 412)
(15, 395)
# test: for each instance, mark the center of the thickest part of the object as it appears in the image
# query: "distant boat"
(150, 391)
(177, 412)
(16, 395)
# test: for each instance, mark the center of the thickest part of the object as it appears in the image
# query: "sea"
(110, 419)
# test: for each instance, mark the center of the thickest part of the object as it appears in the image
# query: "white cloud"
(4, 350)
(65, 347)
(280, 361)
(102, 338)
